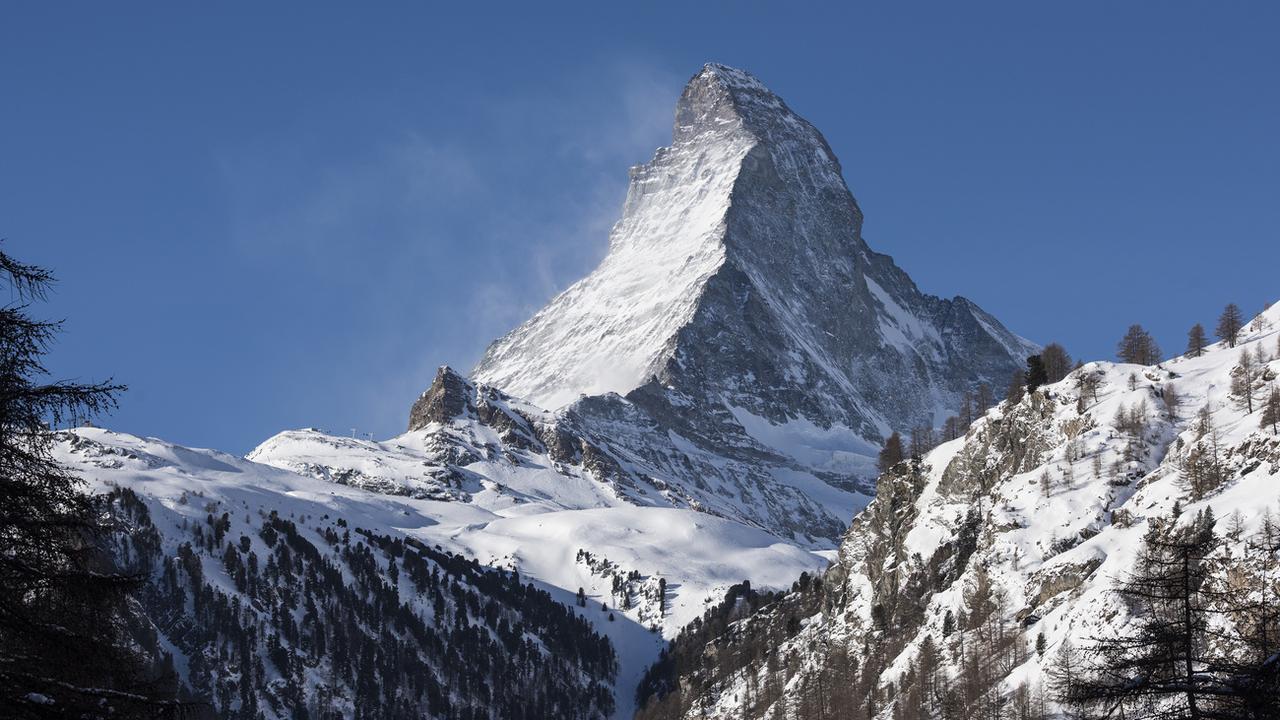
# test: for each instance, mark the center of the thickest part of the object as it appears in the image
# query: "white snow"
(610, 330)
(532, 519)
(832, 449)
(1021, 524)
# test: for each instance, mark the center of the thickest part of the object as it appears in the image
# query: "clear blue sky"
(273, 216)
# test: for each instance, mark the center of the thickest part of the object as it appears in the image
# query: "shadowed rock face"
(448, 397)
(740, 344)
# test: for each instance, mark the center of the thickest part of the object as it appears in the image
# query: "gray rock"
(741, 349)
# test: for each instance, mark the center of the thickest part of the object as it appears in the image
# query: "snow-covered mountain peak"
(720, 96)
(738, 273)
(742, 319)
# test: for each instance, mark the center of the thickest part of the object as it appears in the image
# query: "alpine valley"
(565, 531)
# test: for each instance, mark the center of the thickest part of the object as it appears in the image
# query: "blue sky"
(268, 215)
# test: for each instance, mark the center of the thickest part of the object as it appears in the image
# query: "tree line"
(1053, 363)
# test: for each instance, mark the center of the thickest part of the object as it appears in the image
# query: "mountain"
(278, 592)
(272, 595)
(702, 410)
(740, 325)
(738, 277)
(979, 567)
(740, 351)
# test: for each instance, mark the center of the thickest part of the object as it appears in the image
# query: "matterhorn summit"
(739, 303)
(739, 352)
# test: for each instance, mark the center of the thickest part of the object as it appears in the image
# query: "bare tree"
(1138, 347)
(1259, 322)
(951, 429)
(1017, 388)
(983, 398)
(1196, 341)
(1088, 383)
(891, 454)
(1229, 324)
(1202, 468)
(1056, 362)
(967, 414)
(1243, 376)
(1271, 410)
(1171, 399)
(923, 439)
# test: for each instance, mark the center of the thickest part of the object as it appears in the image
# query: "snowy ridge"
(1054, 495)
(697, 554)
(611, 330)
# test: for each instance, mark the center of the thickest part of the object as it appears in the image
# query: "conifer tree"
(1271, 411)
(1229, 324)
(1138, 347)
(891, 454)
(1036, 375)
(1172, 662)
(62, 600)
(1196, 341)
(1056, 362)
(1242, 379)
(1017, 388)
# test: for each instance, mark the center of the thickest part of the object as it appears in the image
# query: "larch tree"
(1088, 383)
(1196, 341)
(1017, 387)
(891, 454)
(1056, 362)
(1271, 411)
(1138, 347)
(1243, 376)
(1229, 324)
(983, 398)
(1157, 668)
(923, 439)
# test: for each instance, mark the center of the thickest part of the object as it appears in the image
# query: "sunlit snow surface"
(535, 521)
(1056, 558)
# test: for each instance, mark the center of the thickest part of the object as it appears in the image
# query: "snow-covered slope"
(611, 331)
(473, 443)
(561, 534)
(1031, 517)
(740, 308)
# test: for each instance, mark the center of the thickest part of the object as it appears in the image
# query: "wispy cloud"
(450, 239)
